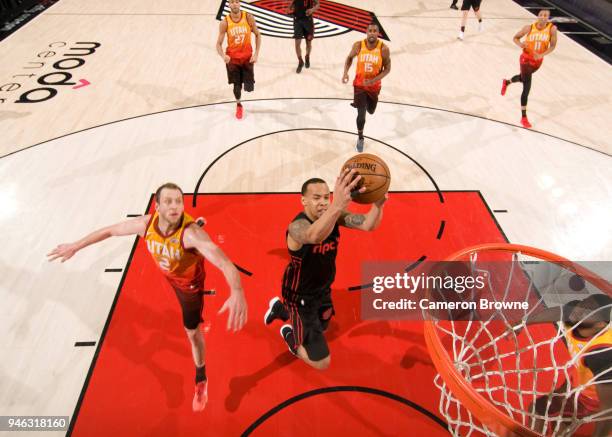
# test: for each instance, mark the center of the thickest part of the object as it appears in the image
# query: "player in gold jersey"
(588, 337)
(373, 64)
(239, 57)
(540, 40)
(178, 247)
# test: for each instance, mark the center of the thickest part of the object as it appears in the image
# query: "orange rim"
(478, 405)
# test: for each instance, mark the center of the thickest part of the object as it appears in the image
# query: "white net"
(543, 366)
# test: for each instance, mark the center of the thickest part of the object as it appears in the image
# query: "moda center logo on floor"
(331, 19)
(51, 69)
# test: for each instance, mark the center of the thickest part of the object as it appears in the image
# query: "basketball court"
(116, 98)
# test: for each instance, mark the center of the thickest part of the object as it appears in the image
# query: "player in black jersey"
(312, 241)
(303, 28)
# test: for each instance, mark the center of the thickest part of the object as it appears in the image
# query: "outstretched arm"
(194, 237)
(129, 227)
(365, 222)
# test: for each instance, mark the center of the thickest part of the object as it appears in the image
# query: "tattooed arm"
(364, 222)
(303, 232)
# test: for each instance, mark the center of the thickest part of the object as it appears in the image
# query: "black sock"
(516, 78)
(480, 20)
(290, 340)
(462, 28)
(200, 374)
(524, 113)
(300, 59)
(237, 91)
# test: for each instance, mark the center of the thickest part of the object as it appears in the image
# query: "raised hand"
(237, 307)
(345, 184)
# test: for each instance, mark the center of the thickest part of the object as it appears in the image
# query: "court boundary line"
(299, 98)
(111, 312)
(339, 389)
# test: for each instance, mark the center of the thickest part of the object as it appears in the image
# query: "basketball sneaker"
(298, 70)
(525, 123)
(504, 87)
(460, 36)
(276, 310)
(200, 397)
(307, 61)
(359, 145)
(239, 111)
(286, 332)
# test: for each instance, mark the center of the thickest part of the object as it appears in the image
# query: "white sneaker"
(460, 36)
(480, 26)
(359, 145)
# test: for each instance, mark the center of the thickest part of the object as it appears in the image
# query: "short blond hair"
(170, 186)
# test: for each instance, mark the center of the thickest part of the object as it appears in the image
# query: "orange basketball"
(375, 177)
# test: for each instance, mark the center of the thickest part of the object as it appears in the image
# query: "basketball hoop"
(493, 370)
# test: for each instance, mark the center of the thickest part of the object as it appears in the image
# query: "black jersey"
(300, 7)
(312, 269)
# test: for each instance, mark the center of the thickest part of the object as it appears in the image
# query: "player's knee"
(191, 333)
(321, 364)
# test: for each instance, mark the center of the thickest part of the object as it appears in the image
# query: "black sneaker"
(286, 332)
(307, 63)
(276, 310)
(299, 67)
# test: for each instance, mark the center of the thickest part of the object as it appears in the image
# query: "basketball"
(375, 177)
